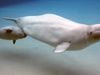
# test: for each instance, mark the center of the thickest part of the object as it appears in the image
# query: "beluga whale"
(61, 33)
(11, 33)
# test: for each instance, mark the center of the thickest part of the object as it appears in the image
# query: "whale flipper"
(62, 47)
(14, 41)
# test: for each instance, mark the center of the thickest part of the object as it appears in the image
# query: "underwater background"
(32, 57)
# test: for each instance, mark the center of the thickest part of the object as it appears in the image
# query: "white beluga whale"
(11, 33)
(61, 33)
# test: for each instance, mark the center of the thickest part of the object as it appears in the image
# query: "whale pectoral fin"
(62, 47)
(14, 41)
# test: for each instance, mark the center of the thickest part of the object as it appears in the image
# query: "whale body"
(61, 33)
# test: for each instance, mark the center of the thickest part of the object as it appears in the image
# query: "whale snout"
(95, 35)
(95, 32)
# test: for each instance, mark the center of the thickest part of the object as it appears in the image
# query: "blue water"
(82, 11)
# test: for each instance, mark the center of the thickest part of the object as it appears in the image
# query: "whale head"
(11, 33)
(94, 33)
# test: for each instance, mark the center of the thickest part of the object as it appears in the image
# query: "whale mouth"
(97, 37)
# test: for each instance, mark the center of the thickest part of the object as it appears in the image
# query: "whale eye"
(90, 34)
(8, 30)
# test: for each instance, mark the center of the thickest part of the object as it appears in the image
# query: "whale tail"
(11, 19)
